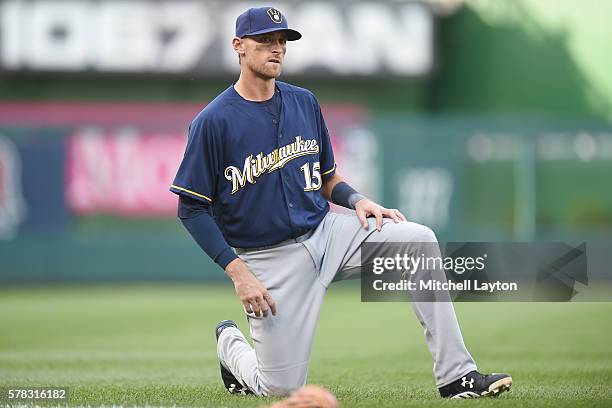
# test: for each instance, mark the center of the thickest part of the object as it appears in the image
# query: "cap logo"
(275, 15)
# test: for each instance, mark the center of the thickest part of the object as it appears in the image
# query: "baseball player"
(254, 186)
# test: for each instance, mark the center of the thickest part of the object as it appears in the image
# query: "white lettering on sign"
(189, 36)
(56, 42)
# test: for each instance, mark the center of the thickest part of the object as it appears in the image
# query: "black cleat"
(476, 385)
(231, 383)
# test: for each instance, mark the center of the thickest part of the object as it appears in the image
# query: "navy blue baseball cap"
(263, 20)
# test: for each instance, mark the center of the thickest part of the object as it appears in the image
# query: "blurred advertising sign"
(189, 37)
(125, 172)
(126, 169)
(12, 203)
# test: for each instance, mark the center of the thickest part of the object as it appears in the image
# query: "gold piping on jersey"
(190, 192)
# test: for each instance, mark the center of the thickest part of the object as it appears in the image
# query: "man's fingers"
(362, 218)
(260, 305)
(391, 214)
(379, 219)
(263, 306)
(254, 306)
(271, 302)
(256, 310)
(400, 215)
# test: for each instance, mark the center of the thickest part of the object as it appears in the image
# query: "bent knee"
(411, 232)
(423, 233)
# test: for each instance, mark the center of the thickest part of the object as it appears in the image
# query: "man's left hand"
(367, 208)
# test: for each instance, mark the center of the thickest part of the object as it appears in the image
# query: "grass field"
(154, 345)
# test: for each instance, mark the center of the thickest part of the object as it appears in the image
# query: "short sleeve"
(326, 155)
(198, 172)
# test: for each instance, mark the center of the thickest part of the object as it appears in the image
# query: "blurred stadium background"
(486, 120)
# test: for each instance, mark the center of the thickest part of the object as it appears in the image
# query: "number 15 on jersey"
(312, 179)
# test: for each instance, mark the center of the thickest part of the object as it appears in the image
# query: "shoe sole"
(498, 387)
(494, 390)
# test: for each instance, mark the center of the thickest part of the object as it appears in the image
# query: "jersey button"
(291, 205)
(274, 121)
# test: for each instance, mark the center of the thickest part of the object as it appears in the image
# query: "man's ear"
(238, 45)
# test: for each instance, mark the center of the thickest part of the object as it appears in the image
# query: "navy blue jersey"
(260, 169)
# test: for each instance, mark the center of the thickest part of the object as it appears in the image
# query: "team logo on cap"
(275, 15)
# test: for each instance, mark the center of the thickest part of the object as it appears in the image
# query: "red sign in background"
(125, 174)
(121, 158)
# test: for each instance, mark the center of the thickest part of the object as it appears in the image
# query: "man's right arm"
(198, 220)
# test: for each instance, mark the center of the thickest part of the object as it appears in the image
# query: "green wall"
(527, 57)
(381, 94)
(511, 193)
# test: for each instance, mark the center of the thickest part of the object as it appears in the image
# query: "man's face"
(264, 54)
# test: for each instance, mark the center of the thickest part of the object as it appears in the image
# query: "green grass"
(137, 345)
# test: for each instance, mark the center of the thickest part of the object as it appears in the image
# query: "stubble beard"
(262, 70)
(265, 73)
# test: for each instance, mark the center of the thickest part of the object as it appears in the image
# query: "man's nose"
(277, 47)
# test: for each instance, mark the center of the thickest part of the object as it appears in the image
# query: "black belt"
(290, 241)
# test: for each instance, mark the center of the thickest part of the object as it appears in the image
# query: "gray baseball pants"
(297, 275)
